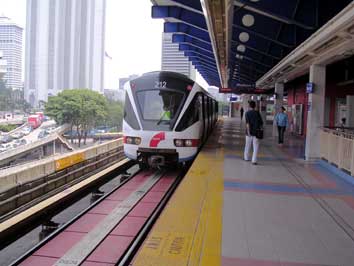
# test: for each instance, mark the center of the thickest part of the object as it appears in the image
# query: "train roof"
(173, 74)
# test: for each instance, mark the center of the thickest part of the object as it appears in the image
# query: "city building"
(11, 46)
(3, 65)
(173, 59)
(64, 47)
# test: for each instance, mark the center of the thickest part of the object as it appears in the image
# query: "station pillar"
(245, 100)
(315, 113)
(278, 102)
(350, 111)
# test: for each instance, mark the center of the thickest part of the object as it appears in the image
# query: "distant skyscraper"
(3, 66)
(173, 59)
(64, 47)
(11, 45)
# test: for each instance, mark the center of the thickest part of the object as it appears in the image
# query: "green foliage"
(7, 128)
(83, 109)
(12, 100)
(115, 115)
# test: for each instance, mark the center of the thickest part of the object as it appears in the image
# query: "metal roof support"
(182, 38)
(201, 59)
(188, 17)
(178, 27)
(193, 53)
(259, 11)
(338, 31)
(263, 36)
(214, 13)
(264, 53)
(190, 47)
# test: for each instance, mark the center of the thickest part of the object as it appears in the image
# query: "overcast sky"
(133, 38)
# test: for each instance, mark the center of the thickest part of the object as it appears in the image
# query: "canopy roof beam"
(247, 6)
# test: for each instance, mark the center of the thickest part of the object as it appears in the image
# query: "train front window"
(159, 108)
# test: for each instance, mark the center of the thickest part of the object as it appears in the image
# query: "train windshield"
(159, 108)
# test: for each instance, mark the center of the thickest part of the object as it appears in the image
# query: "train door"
(205, 112)
(201, 117)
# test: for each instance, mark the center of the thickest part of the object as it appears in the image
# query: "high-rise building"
(64, 47)
(3, 65)
(173, 59)
(11, 45)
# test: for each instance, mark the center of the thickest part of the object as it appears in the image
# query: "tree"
(83, 109)
(115, 115)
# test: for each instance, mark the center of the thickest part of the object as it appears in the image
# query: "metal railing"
(337, 147)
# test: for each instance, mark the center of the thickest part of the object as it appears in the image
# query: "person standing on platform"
(281, 120)
(241, 113)
(254, 125)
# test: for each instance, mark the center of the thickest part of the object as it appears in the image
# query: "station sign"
(309, 87)
(233, 99)
(242, 88)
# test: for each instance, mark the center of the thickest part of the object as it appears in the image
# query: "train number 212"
(160, 84)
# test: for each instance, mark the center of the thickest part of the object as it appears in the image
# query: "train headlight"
(188, 143)
(179, 143)
(132, 140)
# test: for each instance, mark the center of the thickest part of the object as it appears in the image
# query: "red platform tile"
(111, 249)
(105, 207)
(39, 261)
(59, 245)
(143, 209)
(120, 194)
(130, 226)
(153, 196)
(86, 223)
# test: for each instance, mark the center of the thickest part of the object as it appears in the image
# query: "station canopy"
(234, 43)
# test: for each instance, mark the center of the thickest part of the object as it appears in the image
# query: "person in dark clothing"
(253, 123)
(241, 113)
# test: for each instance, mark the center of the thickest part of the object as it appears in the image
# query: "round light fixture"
(248, 20)
(241, 48)
(244, 37)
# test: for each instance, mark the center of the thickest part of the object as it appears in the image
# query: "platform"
(283, 211)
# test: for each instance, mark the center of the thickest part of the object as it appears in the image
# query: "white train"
(167, 117)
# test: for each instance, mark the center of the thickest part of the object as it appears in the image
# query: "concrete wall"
(30, 171)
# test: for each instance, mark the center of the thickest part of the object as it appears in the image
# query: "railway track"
(112, 229)
(24, 195)
(41, 213)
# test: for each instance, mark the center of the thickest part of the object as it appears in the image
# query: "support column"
(278, 102)
(245, 99)
(350, 111)
(315, 113)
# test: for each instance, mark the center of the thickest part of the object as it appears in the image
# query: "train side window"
(129, 115)
(191, 115)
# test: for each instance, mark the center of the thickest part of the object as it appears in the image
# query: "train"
(167, 118)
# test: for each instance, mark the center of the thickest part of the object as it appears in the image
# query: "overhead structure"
(233, 43)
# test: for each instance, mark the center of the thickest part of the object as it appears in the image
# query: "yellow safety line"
(44, 204)
(189, 230)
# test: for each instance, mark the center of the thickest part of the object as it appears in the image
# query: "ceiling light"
(248, 20)
(241, 48)
(244, 37)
